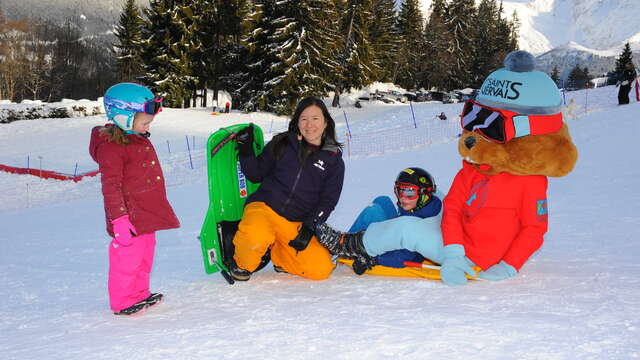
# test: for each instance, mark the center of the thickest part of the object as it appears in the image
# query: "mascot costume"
(495, 214)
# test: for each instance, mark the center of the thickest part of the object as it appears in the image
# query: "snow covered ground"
(578, 298)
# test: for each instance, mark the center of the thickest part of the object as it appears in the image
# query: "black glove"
(301, 241)
(361, 265)
(244, 138)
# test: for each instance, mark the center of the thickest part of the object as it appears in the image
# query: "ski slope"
(577, 298)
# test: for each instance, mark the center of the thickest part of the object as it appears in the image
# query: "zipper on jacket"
(293, 190)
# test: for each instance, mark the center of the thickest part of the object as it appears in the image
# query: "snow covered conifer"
(436, 58)
(626, 56)
(290, 53)
(410, 27)
(129, 35)
(385, 38)
(461, 23)
(168, 35)
(355, 53)
(261, 61)
(299, 43)
(487, 57)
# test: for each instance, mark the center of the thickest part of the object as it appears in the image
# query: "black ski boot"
(154, 298)
(238, 273)
(343, 244)
(133, 309)
(279, 269)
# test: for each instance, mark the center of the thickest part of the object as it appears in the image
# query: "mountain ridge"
(559, 32)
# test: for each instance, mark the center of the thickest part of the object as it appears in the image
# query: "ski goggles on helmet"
(406, 190)
(151, 107)
(500, 126)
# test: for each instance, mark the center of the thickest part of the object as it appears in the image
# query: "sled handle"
(222, 143)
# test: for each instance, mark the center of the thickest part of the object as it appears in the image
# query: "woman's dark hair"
(328, 136)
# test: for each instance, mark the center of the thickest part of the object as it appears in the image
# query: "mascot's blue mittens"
(455, 265)
(499, 271)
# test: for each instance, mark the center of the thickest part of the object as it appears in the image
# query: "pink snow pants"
(129, 271)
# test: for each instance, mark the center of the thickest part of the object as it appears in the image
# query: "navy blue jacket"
(307, 192)
(431, 209)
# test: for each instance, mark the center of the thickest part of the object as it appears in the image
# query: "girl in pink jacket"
(135, 200)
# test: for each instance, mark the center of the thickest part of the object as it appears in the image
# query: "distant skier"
(227, 107)
(442, 116)
(628, 75)
(135, 199)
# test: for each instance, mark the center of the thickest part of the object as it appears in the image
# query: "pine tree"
(461, 23)
(168, 40)
(577, 77)
(514, 27)
(485, 59)
(341, 47)
(361, 66)
(68, 53)
(625, 57)
(128, 32)
(156, 41)
(410, 25)
(262, 61)
(354, 49)
(385, 38)
(555, 75)
(201, 54)
(436, 59)
(299, 43)
(506, 35)
(233, 52)
(217, 61)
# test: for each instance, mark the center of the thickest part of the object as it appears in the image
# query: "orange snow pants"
(262, 228)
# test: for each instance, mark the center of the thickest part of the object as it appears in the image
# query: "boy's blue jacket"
(306, 193)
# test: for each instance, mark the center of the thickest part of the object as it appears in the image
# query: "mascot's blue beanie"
(519, 88)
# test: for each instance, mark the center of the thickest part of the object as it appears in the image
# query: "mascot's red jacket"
(495, 217)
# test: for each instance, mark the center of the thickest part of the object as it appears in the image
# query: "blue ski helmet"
(122, 101)
(519, 88)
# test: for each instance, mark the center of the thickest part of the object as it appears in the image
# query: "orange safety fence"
(47, 174)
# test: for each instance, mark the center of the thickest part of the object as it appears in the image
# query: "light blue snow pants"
(406, 232)
(381, 209)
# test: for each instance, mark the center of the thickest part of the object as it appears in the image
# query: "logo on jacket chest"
(476, 198)
(319, 164)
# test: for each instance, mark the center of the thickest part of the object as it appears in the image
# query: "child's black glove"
(244, 138)
(361, 265)
(301, 241)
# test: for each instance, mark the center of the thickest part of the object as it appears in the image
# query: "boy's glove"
(499, 271)
(123, 230)
(301, 241)
(244, 138)
(455, 265)
(361, 265)
(624, 83)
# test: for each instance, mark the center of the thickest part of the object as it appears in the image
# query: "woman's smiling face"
(312, 124)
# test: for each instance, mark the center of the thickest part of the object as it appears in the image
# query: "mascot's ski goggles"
(151, 107)
(500, 126)
(406, 190)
